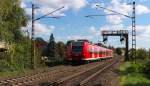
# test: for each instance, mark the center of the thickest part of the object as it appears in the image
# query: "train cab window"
(77, 43)
(77, 48)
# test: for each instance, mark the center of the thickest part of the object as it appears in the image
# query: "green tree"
(51, 47)
(149, 54)
(118, 51)
(12, 17)
(61, 49)
(39, 48)
(142, 54)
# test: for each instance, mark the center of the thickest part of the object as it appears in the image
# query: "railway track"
(51, 75)
(82, 78)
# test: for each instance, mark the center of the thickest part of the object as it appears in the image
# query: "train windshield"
(77, 48)
(77, 43)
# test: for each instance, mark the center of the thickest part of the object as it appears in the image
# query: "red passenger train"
(83, 50)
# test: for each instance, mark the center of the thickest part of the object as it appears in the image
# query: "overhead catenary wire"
(114, 11)
(49, 14)
(99, 15)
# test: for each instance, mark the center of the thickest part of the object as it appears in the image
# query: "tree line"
(51, 52)
(18, 54)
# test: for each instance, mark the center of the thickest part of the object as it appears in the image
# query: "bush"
(142, 54)
(147, 69)
(5, 66)
(136, 68)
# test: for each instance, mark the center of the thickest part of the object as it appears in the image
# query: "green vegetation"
(55, 52)
(119, 51)
(131, 75)
(12, 18)
(136, 74)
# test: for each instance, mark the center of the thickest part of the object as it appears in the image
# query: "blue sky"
(74, 25)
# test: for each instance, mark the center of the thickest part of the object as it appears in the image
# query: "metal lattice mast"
(133, 33)
(32, 39)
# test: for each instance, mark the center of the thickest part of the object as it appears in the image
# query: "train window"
(77, 48)
(77, 43)
(100, 52)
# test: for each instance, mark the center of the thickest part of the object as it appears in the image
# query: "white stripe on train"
(95, 58)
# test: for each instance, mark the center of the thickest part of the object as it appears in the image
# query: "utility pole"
(33, 32)
(133, 33)
(32, 40)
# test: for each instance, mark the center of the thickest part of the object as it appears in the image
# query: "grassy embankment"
(132, 75)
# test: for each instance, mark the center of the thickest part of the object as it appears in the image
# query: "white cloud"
(74, 4)
(47, 6)
(41, 28)
(143, 39)
(142, 36)
(117, 6)
(143, 31)
(77, 4)
(94, 32)
(23, 5)
(50, 5)
(28, 11)
(121, 7)
(141, 9)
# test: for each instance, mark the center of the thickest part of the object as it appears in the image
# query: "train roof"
(85, 40)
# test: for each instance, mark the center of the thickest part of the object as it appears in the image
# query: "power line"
(49, 14)
(100, 15)
(113, 11)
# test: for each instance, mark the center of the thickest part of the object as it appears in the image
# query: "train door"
(92, 51)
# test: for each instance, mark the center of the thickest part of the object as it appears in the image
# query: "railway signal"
(124, 36)
(104, 39)
(122, 39)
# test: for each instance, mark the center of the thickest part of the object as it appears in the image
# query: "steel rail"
(82, 83)
(66, 79)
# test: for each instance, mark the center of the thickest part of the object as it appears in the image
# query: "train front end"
(75, 51)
